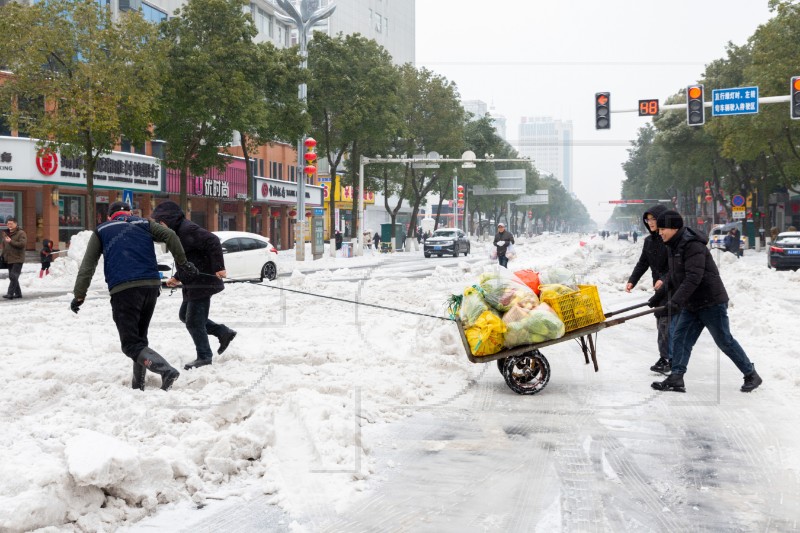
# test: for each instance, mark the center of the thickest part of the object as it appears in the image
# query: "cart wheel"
(527, 373)
(500, 364)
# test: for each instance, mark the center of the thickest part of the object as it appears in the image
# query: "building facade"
(548, 143)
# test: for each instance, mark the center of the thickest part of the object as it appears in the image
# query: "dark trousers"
(686, 328)
(194, 313)
(662, 326)
(132, 310)
(14, 270)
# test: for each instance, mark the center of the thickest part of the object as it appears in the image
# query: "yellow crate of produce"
(578, 309)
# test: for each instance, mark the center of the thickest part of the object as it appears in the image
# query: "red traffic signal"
(794, 102)
(695, 112)
(602, 111)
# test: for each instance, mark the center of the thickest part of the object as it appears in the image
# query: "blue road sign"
(318, 211)
(737, 200)
(737, 101)
(127, 197)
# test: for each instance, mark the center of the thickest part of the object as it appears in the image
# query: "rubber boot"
(151, 360)
(751, 381)
(139, 374)
(41, 273)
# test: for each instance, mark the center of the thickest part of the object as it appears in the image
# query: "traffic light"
(695, 114)
(602, 111)
(794, 103)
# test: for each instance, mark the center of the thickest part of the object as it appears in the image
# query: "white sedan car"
(248, 256)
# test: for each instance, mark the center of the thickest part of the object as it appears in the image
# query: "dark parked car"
(785, 251)
(447, 241)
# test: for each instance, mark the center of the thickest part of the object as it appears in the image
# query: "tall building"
(480, 109)
(548, 142)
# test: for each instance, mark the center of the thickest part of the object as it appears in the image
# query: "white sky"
(272, 420)
(533, 58)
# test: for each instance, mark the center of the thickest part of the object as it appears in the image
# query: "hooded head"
(652, 212)
(169, 213)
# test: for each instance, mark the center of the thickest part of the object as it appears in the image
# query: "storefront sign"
(212, 188)
(21, 160)
(345, 194)
(285, 192)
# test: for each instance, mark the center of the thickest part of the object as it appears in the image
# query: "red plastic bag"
(529, 278)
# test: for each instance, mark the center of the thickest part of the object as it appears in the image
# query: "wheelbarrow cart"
(525, 368)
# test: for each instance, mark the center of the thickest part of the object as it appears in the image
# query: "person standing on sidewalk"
(502, 240)
(14, 241)
(694, 287)
(204, 250)
(134, 283)
(654, 257)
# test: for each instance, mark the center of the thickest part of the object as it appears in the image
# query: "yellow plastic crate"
(578, 309)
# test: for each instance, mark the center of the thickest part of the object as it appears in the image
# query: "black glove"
(188, 268)
(76, 304)
(654, 300)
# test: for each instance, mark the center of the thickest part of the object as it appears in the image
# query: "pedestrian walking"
(695, 289)
(131, 271)
(654, 258)
(204, 251)
(337, 237)
(502, 240)
(45, 257)
(635, 236)
(377, 240)
(14, 242)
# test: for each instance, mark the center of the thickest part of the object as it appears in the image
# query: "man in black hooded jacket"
(654, 257)
(204, 250)
(696, 290)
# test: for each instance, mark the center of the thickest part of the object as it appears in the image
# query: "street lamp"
(303, 20)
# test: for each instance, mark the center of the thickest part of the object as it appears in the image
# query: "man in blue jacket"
(134, 283)
(204, 250)
(696, 291)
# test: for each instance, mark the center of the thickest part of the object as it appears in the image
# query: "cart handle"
(631, 308)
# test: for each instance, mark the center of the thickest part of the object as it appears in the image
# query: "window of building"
(280, 171)
(386, 26)
(157, 149)
(292, 177)
(378, 22)
(10, 204)
(71, 216)
(125, 145)
(5, 128)
(151, 14)
(260, 167)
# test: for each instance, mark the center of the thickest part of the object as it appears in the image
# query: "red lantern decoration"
(310, 169)
(709, 197)
(460, 188)
(310, 142)
(308, 214)
(276, 213)
(460, 195)
(461, 203)
(255, 211)
(292, 213)
(310, 156)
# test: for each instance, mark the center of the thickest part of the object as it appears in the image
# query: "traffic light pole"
(667, 107)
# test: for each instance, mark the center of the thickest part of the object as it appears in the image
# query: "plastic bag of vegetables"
(472, 306)
(485, 337)
(558, 275)
(530, 326)
(502, 290)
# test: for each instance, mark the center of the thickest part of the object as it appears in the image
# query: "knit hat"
(169, 213)
(670, 220)
(116, 207)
